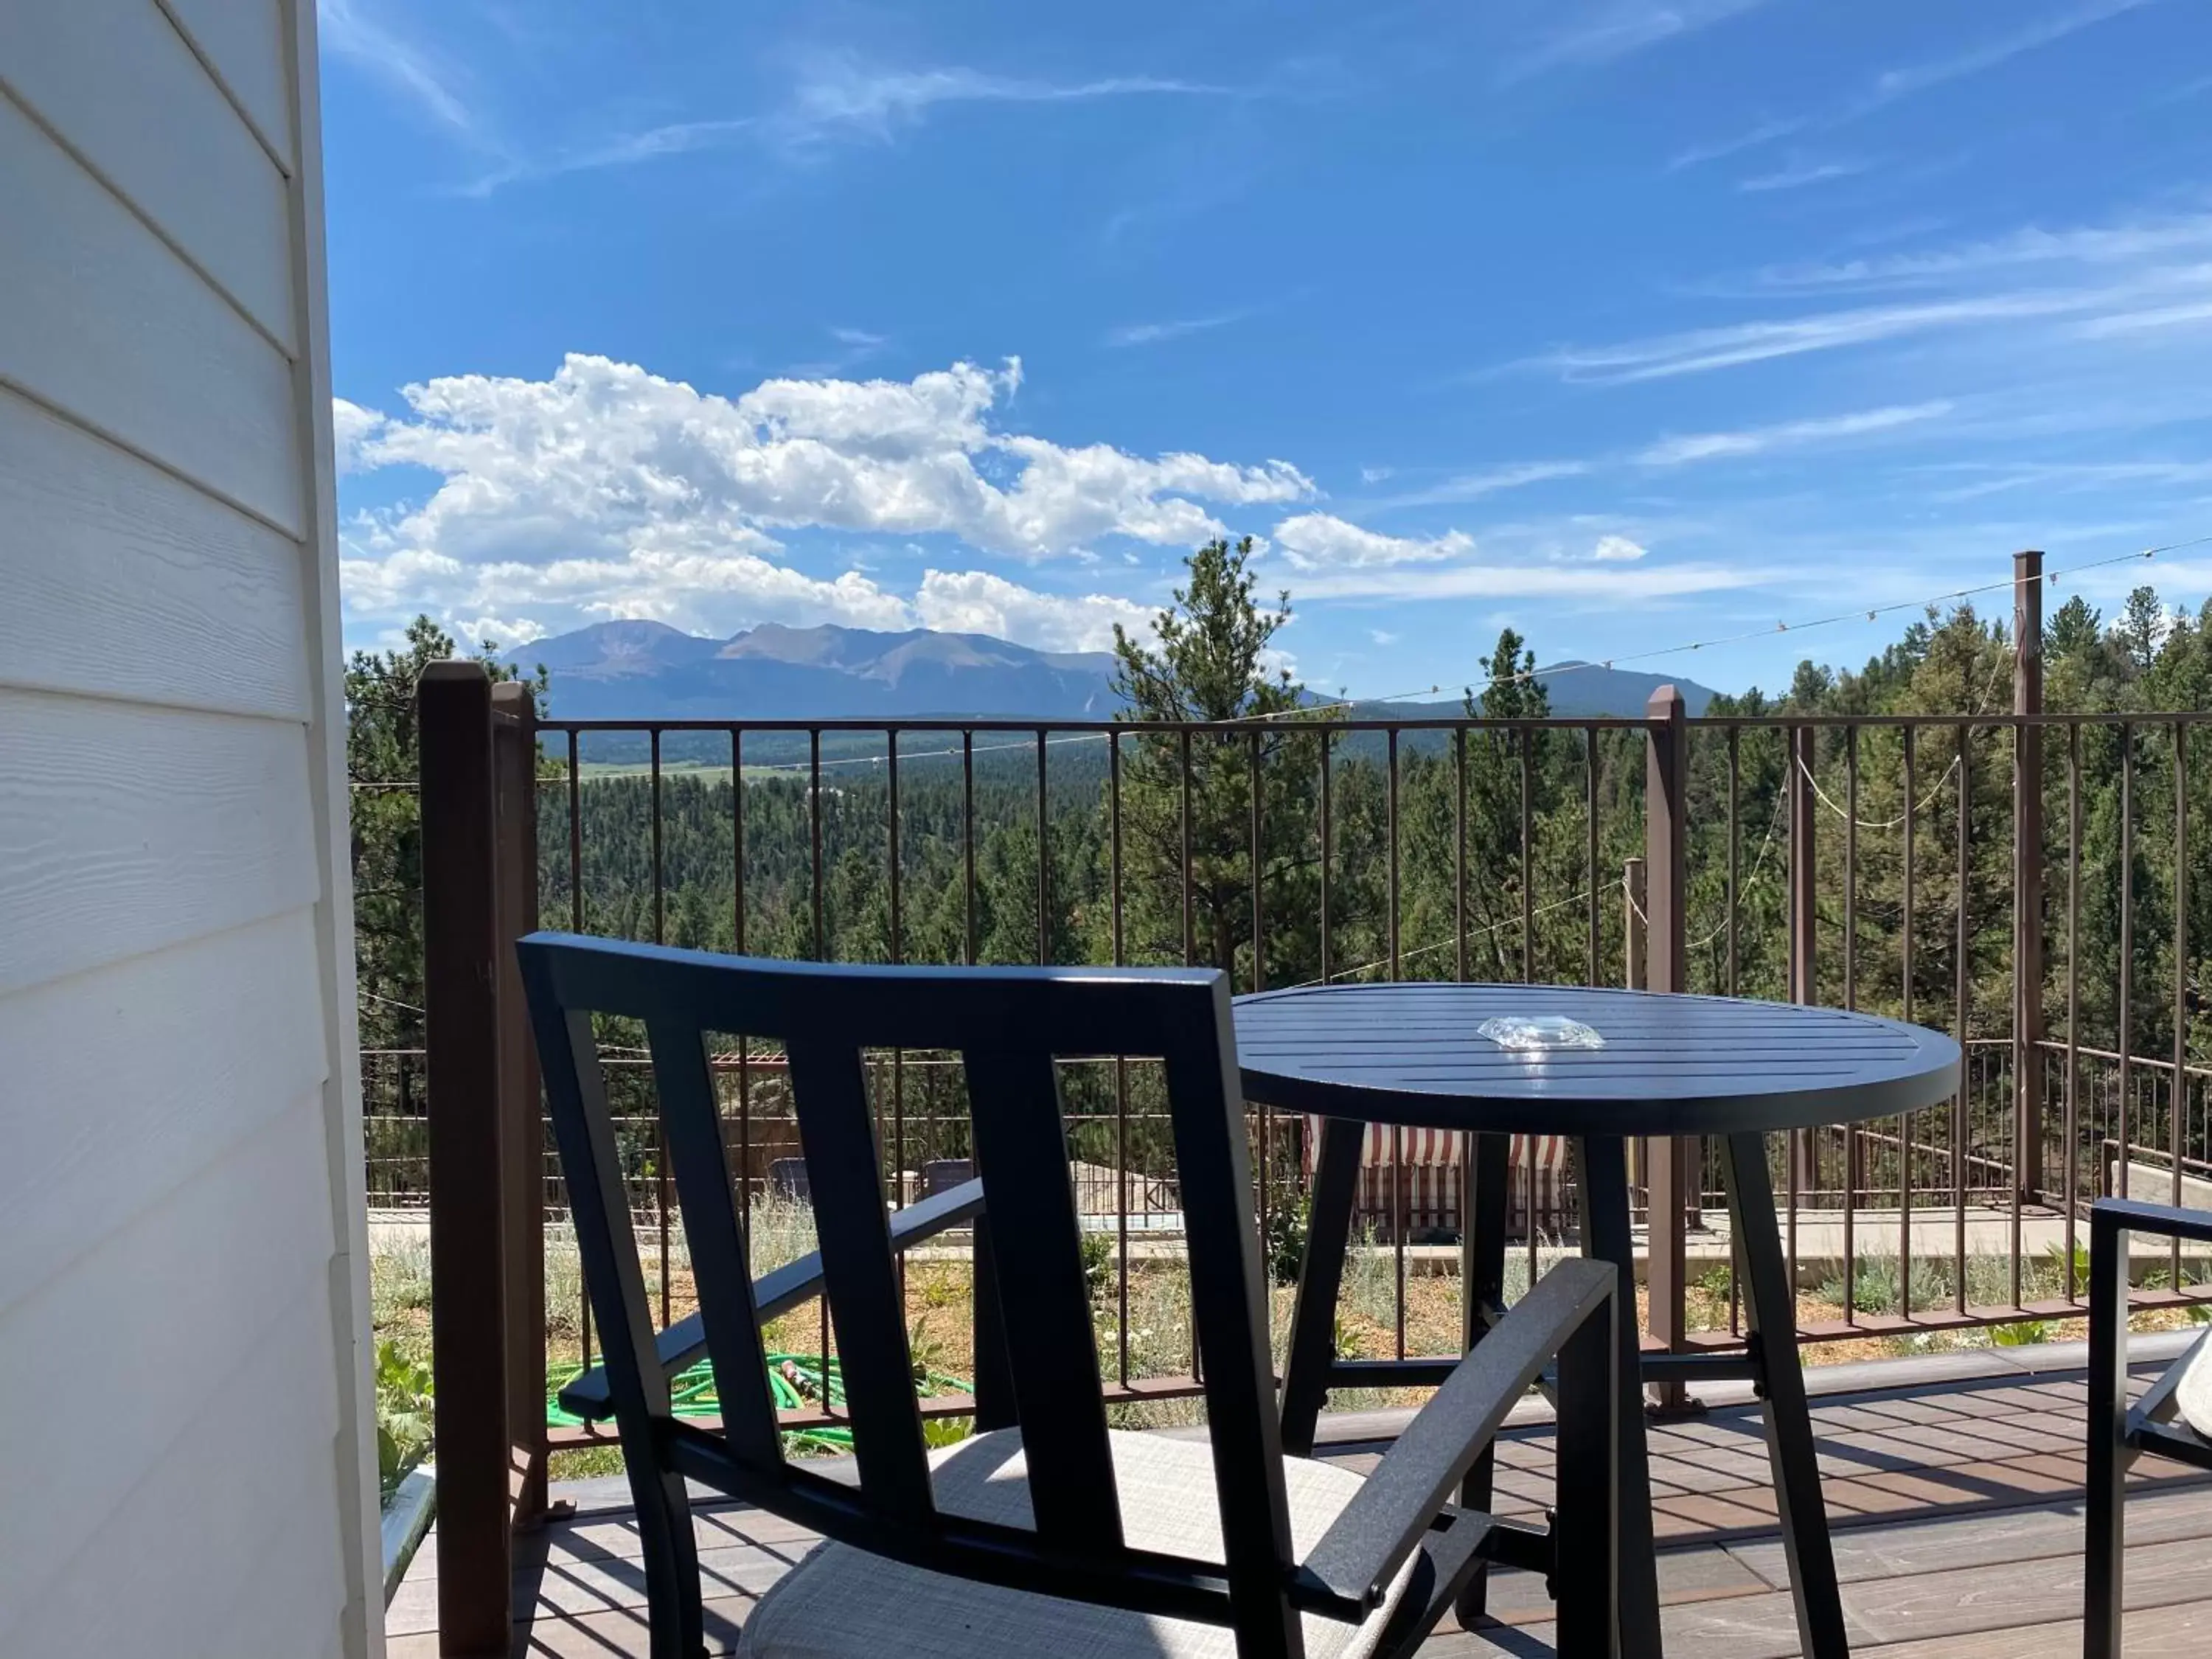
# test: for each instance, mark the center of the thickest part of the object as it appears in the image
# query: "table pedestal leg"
(1770, 1313)
(1482, 1288)
(1603, 1163)
(1313, 1320)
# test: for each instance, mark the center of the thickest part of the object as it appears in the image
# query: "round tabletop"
(1411, 1053)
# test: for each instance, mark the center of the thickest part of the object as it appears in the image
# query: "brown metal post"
(1668, 1180)
(2027, 1024)
(468, 1244)
(522, 1131)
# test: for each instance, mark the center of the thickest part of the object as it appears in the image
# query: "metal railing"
(2011, 877)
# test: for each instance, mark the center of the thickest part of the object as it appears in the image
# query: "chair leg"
(1482, 1286)
(2104, 1521)
(1313, 1322)
(676, 1623)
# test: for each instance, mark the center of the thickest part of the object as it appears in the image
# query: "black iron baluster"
(2180, 1074)
(967, 838)
(1121, 1065)
(1965, 994)
(2126, 1045)
(1328, 857)
(1189, 939)
(2073, 990)
(1905, 1120)
(1393, 916)
(1525, 742)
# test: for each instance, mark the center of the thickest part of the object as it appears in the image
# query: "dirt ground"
(940, 1328)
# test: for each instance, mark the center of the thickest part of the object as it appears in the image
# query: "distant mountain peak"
(645, 670)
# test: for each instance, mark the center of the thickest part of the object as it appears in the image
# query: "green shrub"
(1283, 1240)
(404, 1414)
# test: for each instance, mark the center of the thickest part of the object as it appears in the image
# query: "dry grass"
(1160, 1339)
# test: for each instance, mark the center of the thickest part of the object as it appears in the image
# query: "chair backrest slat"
(1010, 1026)
(712, 1230)
(1227, 1296)
(859, 1273)
(1021, 1151)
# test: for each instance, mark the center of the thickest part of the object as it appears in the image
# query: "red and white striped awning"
(1443, 1148)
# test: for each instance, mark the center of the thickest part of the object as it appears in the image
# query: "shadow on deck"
(1952, 1481)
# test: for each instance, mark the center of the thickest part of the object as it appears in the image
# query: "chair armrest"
(1364, 1548)
(2116, 1215)
(775, 1293)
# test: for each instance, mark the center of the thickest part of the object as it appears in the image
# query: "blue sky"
(1626, 323)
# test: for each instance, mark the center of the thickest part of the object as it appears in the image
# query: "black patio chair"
(2118, 1432)
(1046, 1533)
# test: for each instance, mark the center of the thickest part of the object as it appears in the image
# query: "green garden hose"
(798, 1381)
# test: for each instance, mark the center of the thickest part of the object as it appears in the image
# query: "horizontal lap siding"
(243, 43)
(125, 828)
(124, 580)
(92, 70)
(126, 1082)
(104, 322)
(189, 1329)
(177, 1305)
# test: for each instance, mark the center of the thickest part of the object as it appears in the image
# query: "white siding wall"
(184, 1467)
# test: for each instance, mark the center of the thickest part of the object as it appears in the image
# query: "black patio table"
(1411, 1054)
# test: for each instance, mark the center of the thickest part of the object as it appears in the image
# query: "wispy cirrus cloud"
(1913, 78)
(1488, 481)
(1799, 172)
(357, 31)
(1910, 79)
(839, 96)
(1138, 334)
(1620, 29)
(836, 99)
(2167, 296)
(1755, 441)
(2126, 242)
(1765, 133)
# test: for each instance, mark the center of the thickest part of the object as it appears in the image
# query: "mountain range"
(639, 670)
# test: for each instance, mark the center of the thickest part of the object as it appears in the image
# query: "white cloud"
(1321, 541)
(977, 602)
(1617, 550)
(350, 427)
(606, 491)
(1754, 441)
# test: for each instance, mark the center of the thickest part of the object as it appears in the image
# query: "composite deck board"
(1957, 1534)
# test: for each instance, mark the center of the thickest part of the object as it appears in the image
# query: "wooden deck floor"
(1952, 1484)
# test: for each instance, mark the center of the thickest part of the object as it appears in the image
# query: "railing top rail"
(1320, 721)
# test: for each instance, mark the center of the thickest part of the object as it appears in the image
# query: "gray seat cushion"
(2192, 1395)
(839, 1603)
